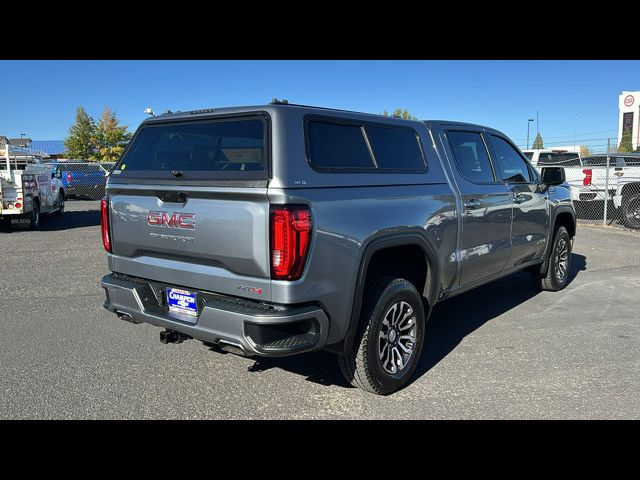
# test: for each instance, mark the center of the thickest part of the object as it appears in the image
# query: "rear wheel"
(631, 211)
(389, 339)
(557, 276)
(34, 218)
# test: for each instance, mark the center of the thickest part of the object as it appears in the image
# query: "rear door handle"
(472, 204)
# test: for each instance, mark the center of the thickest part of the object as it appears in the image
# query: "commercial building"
(629, 108)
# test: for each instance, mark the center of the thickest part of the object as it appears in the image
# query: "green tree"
(584, 151)
(400, 113)
(626, 144)
(79, 143)
(110, 138)
(538, 143)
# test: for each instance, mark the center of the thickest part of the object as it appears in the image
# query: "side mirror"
(550, 176)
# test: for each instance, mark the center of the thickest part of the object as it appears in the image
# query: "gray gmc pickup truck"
(279, 229)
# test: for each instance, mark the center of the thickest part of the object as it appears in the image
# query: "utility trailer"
(28, 187)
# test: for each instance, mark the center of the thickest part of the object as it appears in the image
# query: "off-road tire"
(362, 366)
(552, 281)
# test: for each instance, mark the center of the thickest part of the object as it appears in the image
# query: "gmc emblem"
(175, 220)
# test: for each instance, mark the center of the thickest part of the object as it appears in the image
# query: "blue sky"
(39, 97)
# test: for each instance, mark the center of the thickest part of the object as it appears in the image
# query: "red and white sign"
(628, 100)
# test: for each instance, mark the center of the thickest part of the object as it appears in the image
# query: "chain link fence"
(605, 187)
(82, 180)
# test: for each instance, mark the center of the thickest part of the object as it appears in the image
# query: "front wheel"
(557, 276)
(389, 339)
(631, 211)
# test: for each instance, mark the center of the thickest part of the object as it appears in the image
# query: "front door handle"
(472, 204)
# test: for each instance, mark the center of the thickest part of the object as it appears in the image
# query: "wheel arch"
(564, 216)
(409, 238)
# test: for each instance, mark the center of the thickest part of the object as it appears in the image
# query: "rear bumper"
(257, 329)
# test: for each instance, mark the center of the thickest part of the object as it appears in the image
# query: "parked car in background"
(82, 179)
(593, 181)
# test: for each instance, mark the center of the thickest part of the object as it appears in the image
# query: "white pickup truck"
(588, 177)
(594, 181)
(28, 187)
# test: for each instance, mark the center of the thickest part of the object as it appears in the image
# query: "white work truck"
(28, 187)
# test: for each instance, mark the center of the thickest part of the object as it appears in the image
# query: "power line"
(570, 137)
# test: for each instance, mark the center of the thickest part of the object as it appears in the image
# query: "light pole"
(528, 123)
(575, 116)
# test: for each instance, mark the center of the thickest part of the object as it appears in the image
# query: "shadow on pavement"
(319, 367)
(451, 321)
(68, 220)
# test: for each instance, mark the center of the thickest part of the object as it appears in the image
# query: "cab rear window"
(197, 150)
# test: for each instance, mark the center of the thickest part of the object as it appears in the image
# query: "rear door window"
(471, 156)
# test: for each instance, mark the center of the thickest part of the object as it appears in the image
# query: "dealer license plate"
(182, 301)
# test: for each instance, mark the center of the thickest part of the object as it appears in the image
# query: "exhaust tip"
(232, 348)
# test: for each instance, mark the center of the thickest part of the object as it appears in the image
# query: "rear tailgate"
(189, 207)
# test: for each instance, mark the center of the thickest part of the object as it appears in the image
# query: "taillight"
(290, 239)
(587, 177)
(104, 223)
(68, 177)
(18, 205)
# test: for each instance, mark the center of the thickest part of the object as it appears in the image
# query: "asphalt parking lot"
(502, 351)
